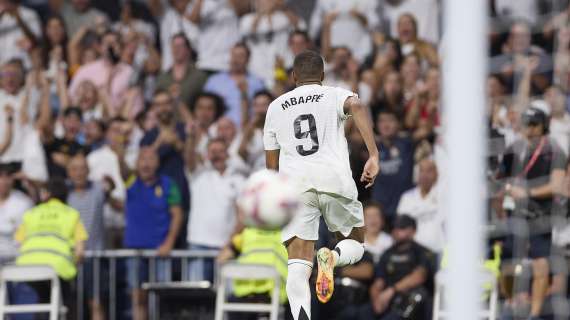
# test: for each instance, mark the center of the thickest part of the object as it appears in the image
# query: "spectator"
(237, 85)
(88, 199)
(377, 241)
(214, 186)
(422, 113)
(207, 109)
(41, 244)
(422, 203)
(532, 186)
(131, 21)
(298, 42)
(172, 19)
(22, 30)
(219, 32)
(391, 96)
(266, 32)
(251, 148)
(13, 204)
(350, 23)
(110, 74)
(154, 216)
(167, 139)
(54, 56)
(409, 41)
(94, 135)
(59, 150)
(183, 81)
(426, 12)
(397, 162)
(562, 59)
(559, 126)
(78, 13)
(411, 73)
(342, 70)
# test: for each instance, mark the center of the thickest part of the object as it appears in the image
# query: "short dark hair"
(218, 102)
(57, 189)
(301, 33)
(264, 92)
(73, 111)
(217, 140)
(308, 65)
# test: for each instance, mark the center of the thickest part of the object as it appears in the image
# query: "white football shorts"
(341, 214)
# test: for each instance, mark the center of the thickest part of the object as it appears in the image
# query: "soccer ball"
(268, 201)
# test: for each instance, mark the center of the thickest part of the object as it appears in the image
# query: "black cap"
(5, 168)
(404, 221)
(534, 116)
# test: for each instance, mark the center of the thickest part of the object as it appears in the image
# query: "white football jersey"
(307, 125)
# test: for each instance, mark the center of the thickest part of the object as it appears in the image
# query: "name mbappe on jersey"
(298, 100)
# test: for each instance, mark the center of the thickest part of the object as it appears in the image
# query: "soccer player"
(304, 138)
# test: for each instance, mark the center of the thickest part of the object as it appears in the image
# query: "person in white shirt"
(20, 30)
(13, 204)
(376, 240)
(352, 21)
(426, 13)
(422, 203)
(304, 139)
(559, 118)
(266, 32)
(217, 21)
(214, 186)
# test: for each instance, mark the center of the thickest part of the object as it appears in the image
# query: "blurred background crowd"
(152, 113)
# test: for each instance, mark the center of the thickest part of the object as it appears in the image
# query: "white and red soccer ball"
(268, 201)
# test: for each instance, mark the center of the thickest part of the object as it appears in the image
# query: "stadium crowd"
(152, 113)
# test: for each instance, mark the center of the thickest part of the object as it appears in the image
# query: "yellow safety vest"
(261, 247)
(49, 237)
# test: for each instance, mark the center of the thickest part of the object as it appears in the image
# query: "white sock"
(348, 251)
(298, 291)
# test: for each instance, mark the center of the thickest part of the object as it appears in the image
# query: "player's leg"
(299, 268)
(345, 217)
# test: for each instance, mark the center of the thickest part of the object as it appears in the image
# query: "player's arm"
(361, 116)
(272, 159)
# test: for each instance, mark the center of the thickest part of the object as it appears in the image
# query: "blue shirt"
(223, 85)
(397, 165)
(148, 212)
(171, 161)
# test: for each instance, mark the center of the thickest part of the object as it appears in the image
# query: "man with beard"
(167, 139)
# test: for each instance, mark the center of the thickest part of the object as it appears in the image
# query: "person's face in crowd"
(239, 59)
(179, 5)
(265, 6)
(72, 125)
(411, 68)
(78, 171)
(519, 38)
(260, 104)
(533, 131)
(369, 78)
(162, 104)
(205, 111)
(373, 220)
(112, 41)
(494, 88)
(147, 164)
(428, 174)
(6, 184)
(406, 29)
(89, 55)
(130, 45)
(387, 125)
(432, 81)
(403, 234)
(12, 78)
(93, 132)
(116, 133)
(392, 84)
(226, 129)
(298, 43)
(218, 154)
(55, 31)
(180, 51)
(87, 95)
(340, 59)
(556, 99)
(81, 5)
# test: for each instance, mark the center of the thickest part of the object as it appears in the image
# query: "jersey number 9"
(312, 132)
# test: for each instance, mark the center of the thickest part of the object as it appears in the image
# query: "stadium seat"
(232, 271)
(31, 274)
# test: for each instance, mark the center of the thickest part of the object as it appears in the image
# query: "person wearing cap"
(403, 275)
(533, 169)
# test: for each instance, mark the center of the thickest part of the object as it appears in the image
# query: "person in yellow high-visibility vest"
(52, 234)
(257, 246)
